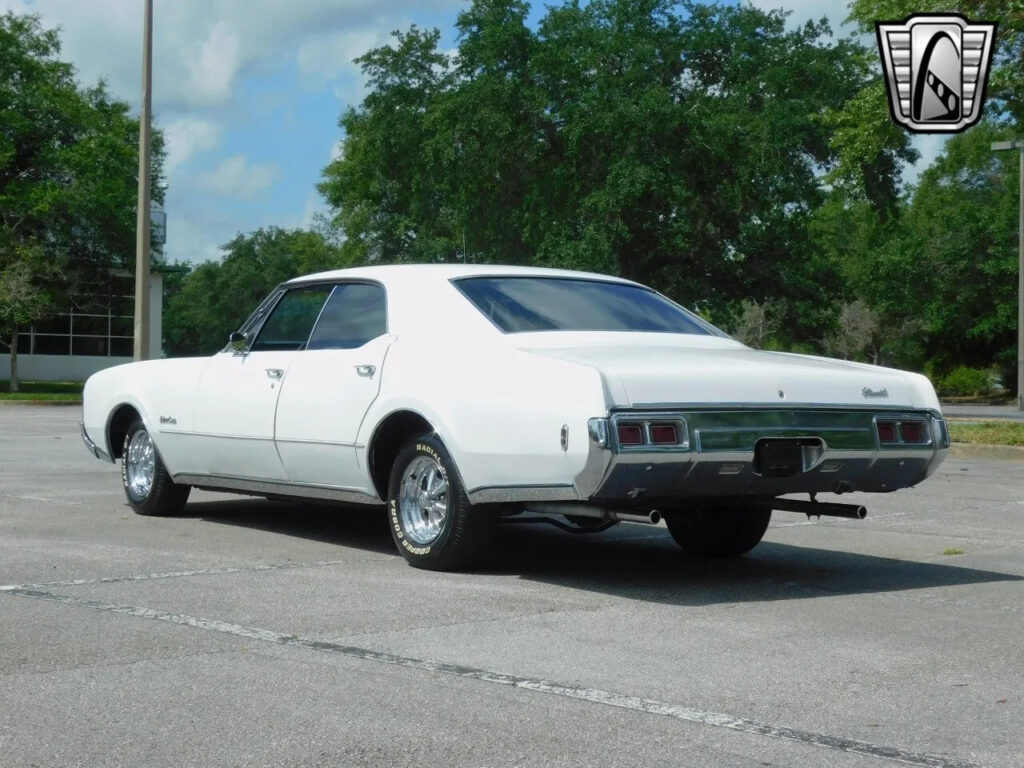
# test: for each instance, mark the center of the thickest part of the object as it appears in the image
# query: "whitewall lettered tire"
(432, 522)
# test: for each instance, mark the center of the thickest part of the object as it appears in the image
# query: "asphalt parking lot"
(255, 633)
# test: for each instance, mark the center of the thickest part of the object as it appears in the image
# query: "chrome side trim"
(303, 441)
(94, 449)
(186, 433)
(254, 486)
(295, 440)
(598, 431)
(596, 468)
(507, 493)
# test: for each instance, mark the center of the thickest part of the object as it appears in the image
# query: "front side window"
(524, 304)
(355, 314)
(253, 322)
(292, 319)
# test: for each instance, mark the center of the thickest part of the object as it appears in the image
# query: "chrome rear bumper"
(718, 458)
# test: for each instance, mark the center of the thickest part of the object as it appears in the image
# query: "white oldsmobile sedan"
(462, 396)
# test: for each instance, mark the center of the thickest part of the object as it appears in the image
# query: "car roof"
(388, 273)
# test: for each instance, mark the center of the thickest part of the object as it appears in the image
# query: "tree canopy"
(215, 298)
(747, 167)
(68, 167)
(678, 144)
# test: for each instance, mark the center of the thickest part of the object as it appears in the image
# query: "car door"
(330, 387)
(238, 393)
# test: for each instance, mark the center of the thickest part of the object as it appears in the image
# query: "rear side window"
(524, 304)
(355, 314)
(291, 321)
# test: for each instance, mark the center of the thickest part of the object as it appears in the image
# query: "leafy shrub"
(964, 380)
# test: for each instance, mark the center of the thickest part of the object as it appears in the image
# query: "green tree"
(942, 279)
(1006, 83)
(675, 143)
(215, 298)
(954, 263)
(870, 146)
(68, 165)
(380, 186)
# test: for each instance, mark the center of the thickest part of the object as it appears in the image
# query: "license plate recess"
(783, 456)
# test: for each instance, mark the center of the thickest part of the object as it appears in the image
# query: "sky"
(248, 94)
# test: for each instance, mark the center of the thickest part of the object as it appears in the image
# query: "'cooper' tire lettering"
(446, 532)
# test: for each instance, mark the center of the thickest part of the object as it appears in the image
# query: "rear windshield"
(524, 304)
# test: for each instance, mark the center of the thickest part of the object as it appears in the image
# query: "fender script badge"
(868, 392)
(172, 420)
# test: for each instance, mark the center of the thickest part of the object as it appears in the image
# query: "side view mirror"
(238, 342)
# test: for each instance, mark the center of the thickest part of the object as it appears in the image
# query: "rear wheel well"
(391, 434)
(123, 418)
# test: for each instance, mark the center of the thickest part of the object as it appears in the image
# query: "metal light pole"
(142, 237)
(999, 146)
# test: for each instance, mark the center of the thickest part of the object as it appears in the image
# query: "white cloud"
(214, 66)
(201, 47)
(330, 55)
(237, 177)
(225, 75)
(187, 136)
(313, 208)
(315, 205)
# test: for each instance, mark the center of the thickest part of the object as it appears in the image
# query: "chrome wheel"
(140, 464)
(423, 500)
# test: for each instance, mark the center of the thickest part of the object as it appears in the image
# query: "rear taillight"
(912, 432)
(887, 431)
(650, 432)
(631, 434)
(902, 432)
(664, 434)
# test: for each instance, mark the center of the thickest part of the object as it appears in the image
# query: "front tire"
(714, 531)
(147, 484)
(432, 522)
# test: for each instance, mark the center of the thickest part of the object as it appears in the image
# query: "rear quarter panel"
(498, 410)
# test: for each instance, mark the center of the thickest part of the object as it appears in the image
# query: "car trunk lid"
(662, 369)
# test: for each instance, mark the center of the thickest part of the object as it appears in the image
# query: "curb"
(983, 451)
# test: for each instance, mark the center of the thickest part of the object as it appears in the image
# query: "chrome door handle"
(366, 370)
(275, 373)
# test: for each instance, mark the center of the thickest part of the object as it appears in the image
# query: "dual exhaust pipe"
(653, 517)
(819, 508)
(590, 511)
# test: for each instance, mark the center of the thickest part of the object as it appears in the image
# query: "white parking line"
(592, 695)
(169, 575)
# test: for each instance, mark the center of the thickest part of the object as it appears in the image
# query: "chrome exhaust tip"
(651, 518)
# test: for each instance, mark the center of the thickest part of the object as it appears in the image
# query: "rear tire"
(432, 522)
(713, 531)
(147, 484)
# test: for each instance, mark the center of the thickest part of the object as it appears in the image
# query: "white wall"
(81, 367)
(57, 367)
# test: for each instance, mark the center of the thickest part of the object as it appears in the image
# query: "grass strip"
(49, 391)
(987, 432)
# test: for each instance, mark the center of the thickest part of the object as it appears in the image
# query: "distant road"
(982, 412)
